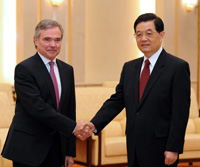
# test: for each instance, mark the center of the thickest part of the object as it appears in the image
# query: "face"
(49, 42)
(148, 39)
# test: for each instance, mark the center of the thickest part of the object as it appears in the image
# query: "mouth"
(51, 50)
(145, 45)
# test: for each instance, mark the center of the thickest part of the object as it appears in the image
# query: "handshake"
(84, 130)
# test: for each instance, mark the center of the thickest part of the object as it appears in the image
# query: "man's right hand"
(84, 130)
(91, 126)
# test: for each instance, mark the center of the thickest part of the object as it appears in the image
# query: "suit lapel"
(63, 80)
(136, 80)
(40, 66)
(157, 71)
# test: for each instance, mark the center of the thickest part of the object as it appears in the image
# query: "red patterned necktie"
(144, 78)
(53, 77)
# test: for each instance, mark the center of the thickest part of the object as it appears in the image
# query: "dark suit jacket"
(36, 118)
(158, 122)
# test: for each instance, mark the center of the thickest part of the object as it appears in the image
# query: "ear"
(162, 34)
(35, 41)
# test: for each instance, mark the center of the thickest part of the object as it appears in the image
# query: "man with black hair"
(155, 90)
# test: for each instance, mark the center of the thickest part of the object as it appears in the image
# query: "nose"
(144, 37)
(52, 43)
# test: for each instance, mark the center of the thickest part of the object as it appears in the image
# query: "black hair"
(159, 25)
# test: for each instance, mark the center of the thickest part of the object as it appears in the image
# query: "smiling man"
(41, 133)
(155, 90)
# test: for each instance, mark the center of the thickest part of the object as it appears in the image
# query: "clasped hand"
(84, 130)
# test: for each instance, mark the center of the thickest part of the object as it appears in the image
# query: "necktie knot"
(51, 63)
(147, 62)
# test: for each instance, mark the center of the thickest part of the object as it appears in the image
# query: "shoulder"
(134, 62)
(27, 63)
(64, 65)
(173, 63)
(173, 59)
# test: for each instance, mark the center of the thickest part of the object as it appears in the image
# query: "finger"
(82, 138)
(86, 129)
(89, 133)
(83, 123)
(66, 163)
(70, 163)
(166, 162)
(91, 125)
(169, 161)
(86, 126)
(79, 137)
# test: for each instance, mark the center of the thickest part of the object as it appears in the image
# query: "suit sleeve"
(180, 108)
(71, 141)
(111, 107)
(29, 93)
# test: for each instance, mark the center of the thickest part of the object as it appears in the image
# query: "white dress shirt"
(56, 71)
(153, 59)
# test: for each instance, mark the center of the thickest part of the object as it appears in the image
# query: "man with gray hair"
(41, 133)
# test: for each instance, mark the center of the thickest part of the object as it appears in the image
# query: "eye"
(138, 35)
(149, 34)
(46, 39)
(58, 40)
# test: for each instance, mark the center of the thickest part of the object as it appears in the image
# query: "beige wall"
(102, 34)
(162, 10)
(1, 43)
(187, 43)
(26, 21)
(181, 33)
(102, 38)
(78, 37)
(27, 18)
(109, 38)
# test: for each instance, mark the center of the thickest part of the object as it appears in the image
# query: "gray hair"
(45, 24)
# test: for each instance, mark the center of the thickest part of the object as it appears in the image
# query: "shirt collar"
(45, 60)
(154, 57)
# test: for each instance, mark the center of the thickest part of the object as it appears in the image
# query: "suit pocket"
(25, 129)
(161, 132)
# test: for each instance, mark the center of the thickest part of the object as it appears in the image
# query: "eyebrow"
(52, 38)
(145, 30)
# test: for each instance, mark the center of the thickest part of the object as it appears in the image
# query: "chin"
(145, 50)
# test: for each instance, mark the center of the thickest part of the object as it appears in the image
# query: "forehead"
(51, 32)
(144, 26)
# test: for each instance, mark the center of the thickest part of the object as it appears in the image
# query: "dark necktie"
(53, 77)
(144, 78)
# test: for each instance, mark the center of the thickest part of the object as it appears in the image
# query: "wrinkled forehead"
(146, 26)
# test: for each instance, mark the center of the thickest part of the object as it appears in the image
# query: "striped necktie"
(144, 78)
(53, 77)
